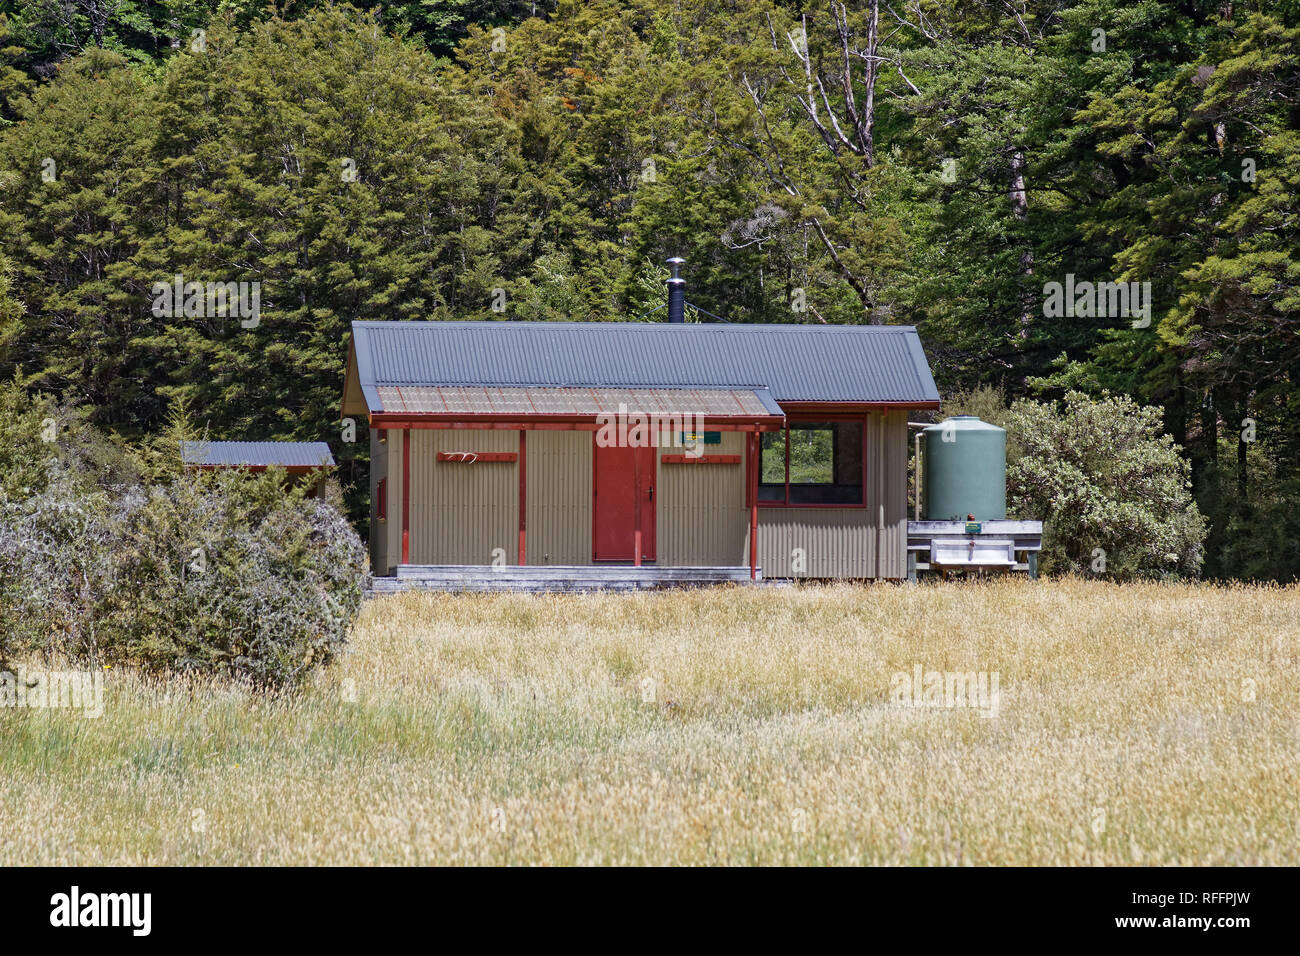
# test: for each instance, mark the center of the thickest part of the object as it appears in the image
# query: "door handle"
(652, 492)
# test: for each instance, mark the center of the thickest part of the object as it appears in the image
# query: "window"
(382, 495)
(812, 463)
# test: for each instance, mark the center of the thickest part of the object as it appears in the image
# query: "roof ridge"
(727, 327)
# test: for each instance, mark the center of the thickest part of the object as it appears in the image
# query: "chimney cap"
(676, 262)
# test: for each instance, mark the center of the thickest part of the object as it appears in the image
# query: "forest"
(1072, 197)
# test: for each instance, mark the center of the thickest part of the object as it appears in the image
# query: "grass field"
(1142, 724)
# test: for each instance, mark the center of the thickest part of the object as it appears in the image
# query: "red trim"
(636, 510)
(595, 490)
(753, 508)
(475, 457)
(381, 493)
(523, 495)
(406, 496)
(700, 459)
(795, 423)
(849, 409)
(749, 453)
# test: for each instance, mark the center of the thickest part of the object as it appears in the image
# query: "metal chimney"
(676, 291)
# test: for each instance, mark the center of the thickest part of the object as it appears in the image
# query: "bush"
(216, 572)
(1112, 490)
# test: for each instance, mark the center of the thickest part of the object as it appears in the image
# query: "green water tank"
(964, 465)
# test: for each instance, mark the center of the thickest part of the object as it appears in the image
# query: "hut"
(641, 452)
(301, 461)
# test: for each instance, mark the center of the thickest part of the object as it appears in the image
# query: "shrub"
(219, 572)
(1112, 490)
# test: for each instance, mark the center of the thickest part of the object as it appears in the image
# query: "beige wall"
(459, 513)
(700, 516)
(462, 513)
(559, 497)
(378, 529)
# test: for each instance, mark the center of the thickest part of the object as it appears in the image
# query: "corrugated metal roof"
(513, 400)
(808, 363)
(256, 454)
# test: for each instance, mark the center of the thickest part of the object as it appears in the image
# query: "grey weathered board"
(564, 579)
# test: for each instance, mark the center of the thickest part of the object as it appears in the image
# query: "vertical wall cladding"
(701, 518)
(559, 475)
(461, 513)
(892, 502)
(393, 531)
(378, 529)
(866, 542)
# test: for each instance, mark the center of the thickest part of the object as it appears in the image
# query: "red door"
(624, 488)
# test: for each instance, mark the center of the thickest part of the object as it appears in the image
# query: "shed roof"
(256, 454)
(797, 363)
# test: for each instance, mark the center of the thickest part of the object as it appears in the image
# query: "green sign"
(707, 438)
(972, 527)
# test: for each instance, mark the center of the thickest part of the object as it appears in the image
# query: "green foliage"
(227, 573)
(812, 456)
(938, 171)
(1111, 489)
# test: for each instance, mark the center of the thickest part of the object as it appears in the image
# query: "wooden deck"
(559, 579)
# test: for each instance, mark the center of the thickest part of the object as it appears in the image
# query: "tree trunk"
(1242, 447)
(1210, 428)
(1020, 209)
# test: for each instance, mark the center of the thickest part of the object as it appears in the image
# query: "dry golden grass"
(1138, 724)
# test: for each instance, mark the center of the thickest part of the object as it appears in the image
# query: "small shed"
(780, 450)
(300, 459)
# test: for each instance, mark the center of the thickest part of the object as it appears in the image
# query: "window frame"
(805, 420)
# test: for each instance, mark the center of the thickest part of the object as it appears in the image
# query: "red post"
(523, 493)
(406, 496)
(636, 484)
(754, 446)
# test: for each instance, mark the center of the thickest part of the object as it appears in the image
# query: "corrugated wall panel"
(461, 513)
(559, 497)
(700, 517)
(892, 501)
(394, 536)
(378, 529)
(835, 542)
